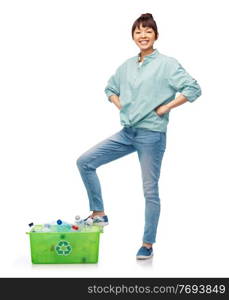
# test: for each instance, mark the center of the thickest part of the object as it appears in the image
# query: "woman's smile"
(144, 42)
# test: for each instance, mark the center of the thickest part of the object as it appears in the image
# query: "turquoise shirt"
(143, 87)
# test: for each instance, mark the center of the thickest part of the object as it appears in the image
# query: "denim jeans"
(150, 146)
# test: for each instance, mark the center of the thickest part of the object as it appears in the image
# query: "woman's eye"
(147, 32)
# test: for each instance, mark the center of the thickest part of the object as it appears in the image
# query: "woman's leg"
(151, 147)
(108, 150)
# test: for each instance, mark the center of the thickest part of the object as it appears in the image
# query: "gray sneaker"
(97, 220)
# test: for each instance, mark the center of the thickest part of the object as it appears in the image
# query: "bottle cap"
(59, 222)
(75, 227)
(31, 224)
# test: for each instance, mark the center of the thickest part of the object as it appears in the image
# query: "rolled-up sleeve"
(113, 84)
(181, 81)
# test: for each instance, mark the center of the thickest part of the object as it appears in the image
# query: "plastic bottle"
(77, 217)
(79, 222)
(63, 226)
(31, 225)
(37, 228)
(50, 227)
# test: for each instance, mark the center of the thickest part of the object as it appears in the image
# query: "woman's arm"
(112, 89)
(181, 81)
(181, 99)
(115, 99)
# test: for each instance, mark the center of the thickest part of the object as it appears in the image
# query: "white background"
(55, 60)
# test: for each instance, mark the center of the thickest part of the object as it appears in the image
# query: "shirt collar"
(148, 57)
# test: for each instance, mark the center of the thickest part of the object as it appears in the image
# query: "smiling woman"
(144, 87)
(144, 33)
(144, 39)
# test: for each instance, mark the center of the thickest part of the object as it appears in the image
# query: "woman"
(144, 89)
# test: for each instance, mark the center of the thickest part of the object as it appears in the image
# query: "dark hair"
(146, 20)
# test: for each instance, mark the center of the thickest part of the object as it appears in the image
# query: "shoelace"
(96, 218)
(88, 218)
(147, 248)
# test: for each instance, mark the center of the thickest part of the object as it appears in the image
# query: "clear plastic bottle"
(78, 219)
(50, 227)
(79, 222)
(63, 226)
(37, 228)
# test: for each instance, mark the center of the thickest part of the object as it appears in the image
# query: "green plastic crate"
(65, 247)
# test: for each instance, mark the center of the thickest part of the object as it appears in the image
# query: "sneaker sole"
(144, 257)
(101, 223)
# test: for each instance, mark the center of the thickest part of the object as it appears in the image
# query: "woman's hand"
(115, 99)
(163, 109)
(181, 99)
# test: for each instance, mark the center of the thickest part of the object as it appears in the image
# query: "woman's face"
(144, 37)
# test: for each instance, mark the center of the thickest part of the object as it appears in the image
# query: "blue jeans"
(150, 146)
